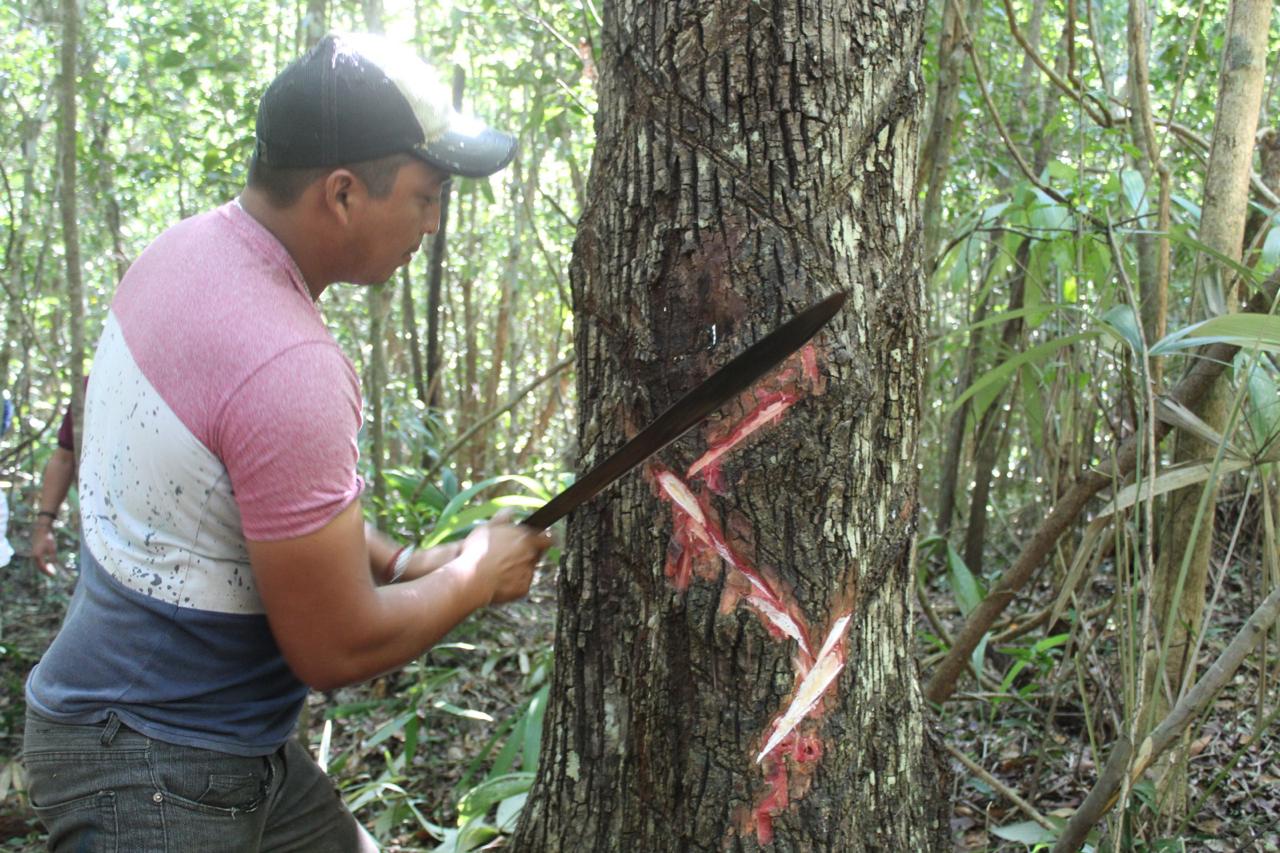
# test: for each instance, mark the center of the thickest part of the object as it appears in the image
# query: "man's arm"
(418, 562)
(336, 627)
(59, 471)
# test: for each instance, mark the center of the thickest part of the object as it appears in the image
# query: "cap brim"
(476, 153)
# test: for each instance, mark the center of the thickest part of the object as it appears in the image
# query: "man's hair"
(284, 186)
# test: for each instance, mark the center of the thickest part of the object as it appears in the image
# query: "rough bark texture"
(1179, 597)
(67, 205)
(751, 158)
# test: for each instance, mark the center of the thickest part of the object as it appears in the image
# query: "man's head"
(355, 98)
(355, 142)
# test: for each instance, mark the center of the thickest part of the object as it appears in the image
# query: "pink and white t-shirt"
(220, 409)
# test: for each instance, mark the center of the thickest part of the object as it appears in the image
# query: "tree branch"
(1104, 793)
(1193, 386)
(1103, 119)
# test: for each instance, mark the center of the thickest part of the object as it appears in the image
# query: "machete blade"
(687, 412)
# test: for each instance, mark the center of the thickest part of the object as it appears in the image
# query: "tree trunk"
(994, 421)
(435, 272)
(957, 427)
(378, 300)
(500, 335)
(1179, 596)
(1153, 249)
(936, 156)
(751, 157)
(67, 204)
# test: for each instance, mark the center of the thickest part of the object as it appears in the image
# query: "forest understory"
(1030, 736)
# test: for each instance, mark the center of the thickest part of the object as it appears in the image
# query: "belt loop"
(109, 733)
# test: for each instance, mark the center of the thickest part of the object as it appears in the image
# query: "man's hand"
(44, 548)
(502, 556)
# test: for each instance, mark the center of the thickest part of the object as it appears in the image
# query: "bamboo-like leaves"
(1243, 330)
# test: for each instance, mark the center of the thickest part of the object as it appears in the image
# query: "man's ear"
(343, 194)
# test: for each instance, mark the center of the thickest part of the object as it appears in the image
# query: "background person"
(55, 484)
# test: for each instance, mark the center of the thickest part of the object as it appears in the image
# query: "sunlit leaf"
(1000, 374)
(1243, 330)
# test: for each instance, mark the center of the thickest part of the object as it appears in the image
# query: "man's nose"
(432, 223)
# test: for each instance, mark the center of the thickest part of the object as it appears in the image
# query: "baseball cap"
(358, 96)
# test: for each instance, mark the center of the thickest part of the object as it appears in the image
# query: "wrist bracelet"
(399, 562)
(52, 516)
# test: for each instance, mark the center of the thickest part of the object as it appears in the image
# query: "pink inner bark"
(698, 546)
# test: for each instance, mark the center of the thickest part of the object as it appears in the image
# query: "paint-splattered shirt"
(221, 409)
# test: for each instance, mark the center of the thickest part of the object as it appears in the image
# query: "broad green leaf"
(1271, 247)
(1048, 215)
(1000, 373)
(1027, 832)
(1188, 205)
(1171, 480)
(1243, 330)
(979, 655)
(509, 812)
(1097, 264)
(1006, 316)
(461, 498)
(1051, 642)
(474, 834)
(1032, 405)
(1070, 289)
(967, 589)
(477, 802)
(1264, 403)
(532, 740)
(1123, 322)
(1135, 190)
(392, 728)
(1175, 413)
(1181, 236)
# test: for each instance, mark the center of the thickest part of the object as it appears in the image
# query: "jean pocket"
(213, 784)
(86, 823)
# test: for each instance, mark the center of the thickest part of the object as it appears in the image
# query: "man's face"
(392, 228)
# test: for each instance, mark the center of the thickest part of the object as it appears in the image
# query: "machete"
(687, 412)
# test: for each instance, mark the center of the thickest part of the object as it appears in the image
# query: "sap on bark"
(788, 774)
(812, 685)
(698, 539)
(756, 408)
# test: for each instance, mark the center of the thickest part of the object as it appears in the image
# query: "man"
(225, 565)
(55, 483)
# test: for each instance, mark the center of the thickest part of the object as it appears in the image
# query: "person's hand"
(44, 548)
(503, 556)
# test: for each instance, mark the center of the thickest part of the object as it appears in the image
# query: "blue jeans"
(108, 788)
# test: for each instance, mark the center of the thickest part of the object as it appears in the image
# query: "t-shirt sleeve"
(287, 437)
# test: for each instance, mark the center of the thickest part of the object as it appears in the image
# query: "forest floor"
(1035, 736)
(466, 694)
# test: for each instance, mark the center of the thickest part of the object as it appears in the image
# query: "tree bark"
(435, 272)
(1179, 592)
(1152, 249)
(378, 300)
(67, 206)
(936, 155)
(751, 157)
